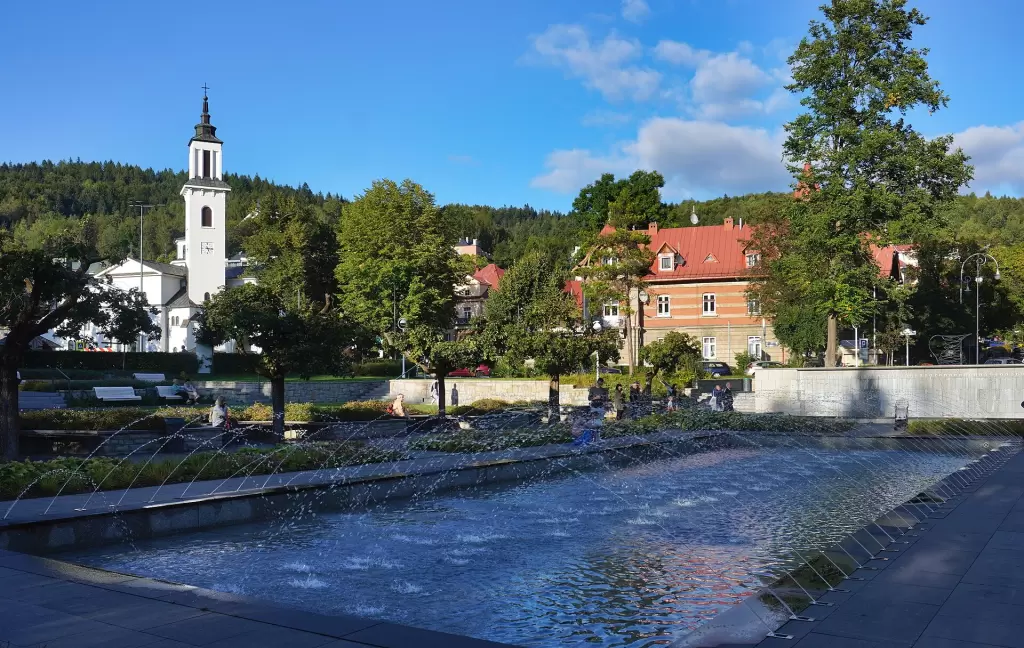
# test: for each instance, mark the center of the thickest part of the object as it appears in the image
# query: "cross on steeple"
(205, 88)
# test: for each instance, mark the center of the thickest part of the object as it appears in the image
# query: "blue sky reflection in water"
(622, 557)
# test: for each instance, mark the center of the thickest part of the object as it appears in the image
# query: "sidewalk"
(959, 584)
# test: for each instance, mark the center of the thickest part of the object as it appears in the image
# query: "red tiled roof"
(726, 244)
(575, 288)
(490, 274)
(885, 255)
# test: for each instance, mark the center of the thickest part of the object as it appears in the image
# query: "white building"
(177, 290)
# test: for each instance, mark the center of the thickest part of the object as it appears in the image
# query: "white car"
(763, 364)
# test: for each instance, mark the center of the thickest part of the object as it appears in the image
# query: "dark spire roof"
(205, 131)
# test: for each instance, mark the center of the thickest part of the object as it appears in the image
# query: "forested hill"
(105, 190)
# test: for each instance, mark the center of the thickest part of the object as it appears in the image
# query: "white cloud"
(702, 158)
(599, 118)
(603, 66)
(724, 85)
(679, 53)
(635, 10)
(997, 153)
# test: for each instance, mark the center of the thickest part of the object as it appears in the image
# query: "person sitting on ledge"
(219, 414)
(190, 391)
(397, 407)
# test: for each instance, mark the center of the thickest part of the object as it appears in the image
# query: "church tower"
(205, 194)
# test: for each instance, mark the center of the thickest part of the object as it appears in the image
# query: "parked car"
(717, 369)
(609, 370)
(483, 371)
(763, 364)
(1002, 361)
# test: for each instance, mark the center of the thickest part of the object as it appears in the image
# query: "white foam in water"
(363, 563)
(414, 540)
(642, 521)
(405, 587)
(477, 538)
(684, 502)
(452, 560)
(368, 610)
(309, 582)
(229, 588)
(558, 534)
(302, 568)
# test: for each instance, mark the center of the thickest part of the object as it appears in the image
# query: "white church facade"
(178, 289)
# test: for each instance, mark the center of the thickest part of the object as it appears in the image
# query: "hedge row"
(967, 427)
(44, 478)
(166, 363)
(109, 418)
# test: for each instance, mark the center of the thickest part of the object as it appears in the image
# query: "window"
(207, 217)
(467, 312)
(609, 260)
(753, 260)
(206, 297)
(709, 348)
(709, 304)
(206, 247)
(664, 306)
(753, 307)
(206, 164)
(754, 346)
(611, 309)
(666, 262)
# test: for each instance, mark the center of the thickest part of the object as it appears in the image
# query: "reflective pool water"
(631, 556)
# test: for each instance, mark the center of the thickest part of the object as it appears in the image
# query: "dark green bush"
(171, 364)
(379, 368)
(108, 418)
(233, 364)
(85, 475)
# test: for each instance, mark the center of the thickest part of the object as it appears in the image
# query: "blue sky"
(481, 102)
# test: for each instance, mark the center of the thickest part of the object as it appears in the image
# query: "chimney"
(728, 222)
(474, 241)
(652, 229)
(741, 223)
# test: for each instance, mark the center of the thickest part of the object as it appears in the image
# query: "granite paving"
(959, 583)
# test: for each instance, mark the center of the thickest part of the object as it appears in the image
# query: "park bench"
(115, 394)
(150, 377)
(168, 392)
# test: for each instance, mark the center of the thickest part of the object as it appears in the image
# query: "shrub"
(743, 362)
(379, 368)
(110, 418)
(166, 363)
(45, 478)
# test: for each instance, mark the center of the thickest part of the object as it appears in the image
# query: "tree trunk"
(277, 398)
(832, 341)
(629, 342)
(10, 425)
(442, 396)
(554, 388)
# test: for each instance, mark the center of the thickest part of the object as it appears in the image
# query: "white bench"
(116, 394)
(169, 392)
(150, 377)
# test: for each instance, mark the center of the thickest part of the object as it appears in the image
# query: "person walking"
(670, 399)
(716, 399)
(434, 393)
(727, 398)
(618, 403)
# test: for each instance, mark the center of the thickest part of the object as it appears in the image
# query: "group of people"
(622, 403)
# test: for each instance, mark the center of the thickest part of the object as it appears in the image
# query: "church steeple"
(205, 131)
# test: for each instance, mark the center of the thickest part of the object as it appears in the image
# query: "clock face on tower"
(206, 247)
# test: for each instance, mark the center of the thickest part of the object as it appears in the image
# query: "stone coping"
(49, 602)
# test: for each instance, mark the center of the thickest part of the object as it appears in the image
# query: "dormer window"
(753, 259)
(666, 262)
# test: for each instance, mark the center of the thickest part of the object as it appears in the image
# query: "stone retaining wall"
(474, 389)
(970, 392)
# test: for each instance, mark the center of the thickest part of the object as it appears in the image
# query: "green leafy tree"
(292, 243)
(398, 262)
(615, 271)
(292, 339)
(638, 201)
(531, 299)
(869, 175)
(672, 354)
(45, 285)
(440, 356)
(592, 203)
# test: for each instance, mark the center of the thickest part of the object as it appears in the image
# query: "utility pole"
(142, 208)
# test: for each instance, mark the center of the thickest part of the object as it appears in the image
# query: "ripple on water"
(405, 587)
(300, 567)
(479, 538)
(309, 582)
(362, 563)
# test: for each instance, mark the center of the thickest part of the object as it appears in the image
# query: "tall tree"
(615, 271)
(292, 243)
(398, 262)
(638, 201)
(45, 285)
(436, 354)
(592, 202)
(867, 176)
(291, 338)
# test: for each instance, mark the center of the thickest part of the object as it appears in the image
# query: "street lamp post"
(980, 259)
(142, 208)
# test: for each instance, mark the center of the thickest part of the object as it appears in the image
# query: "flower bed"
(43, 478)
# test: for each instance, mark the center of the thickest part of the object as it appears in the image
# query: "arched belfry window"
(206, 297)
(207, 216)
